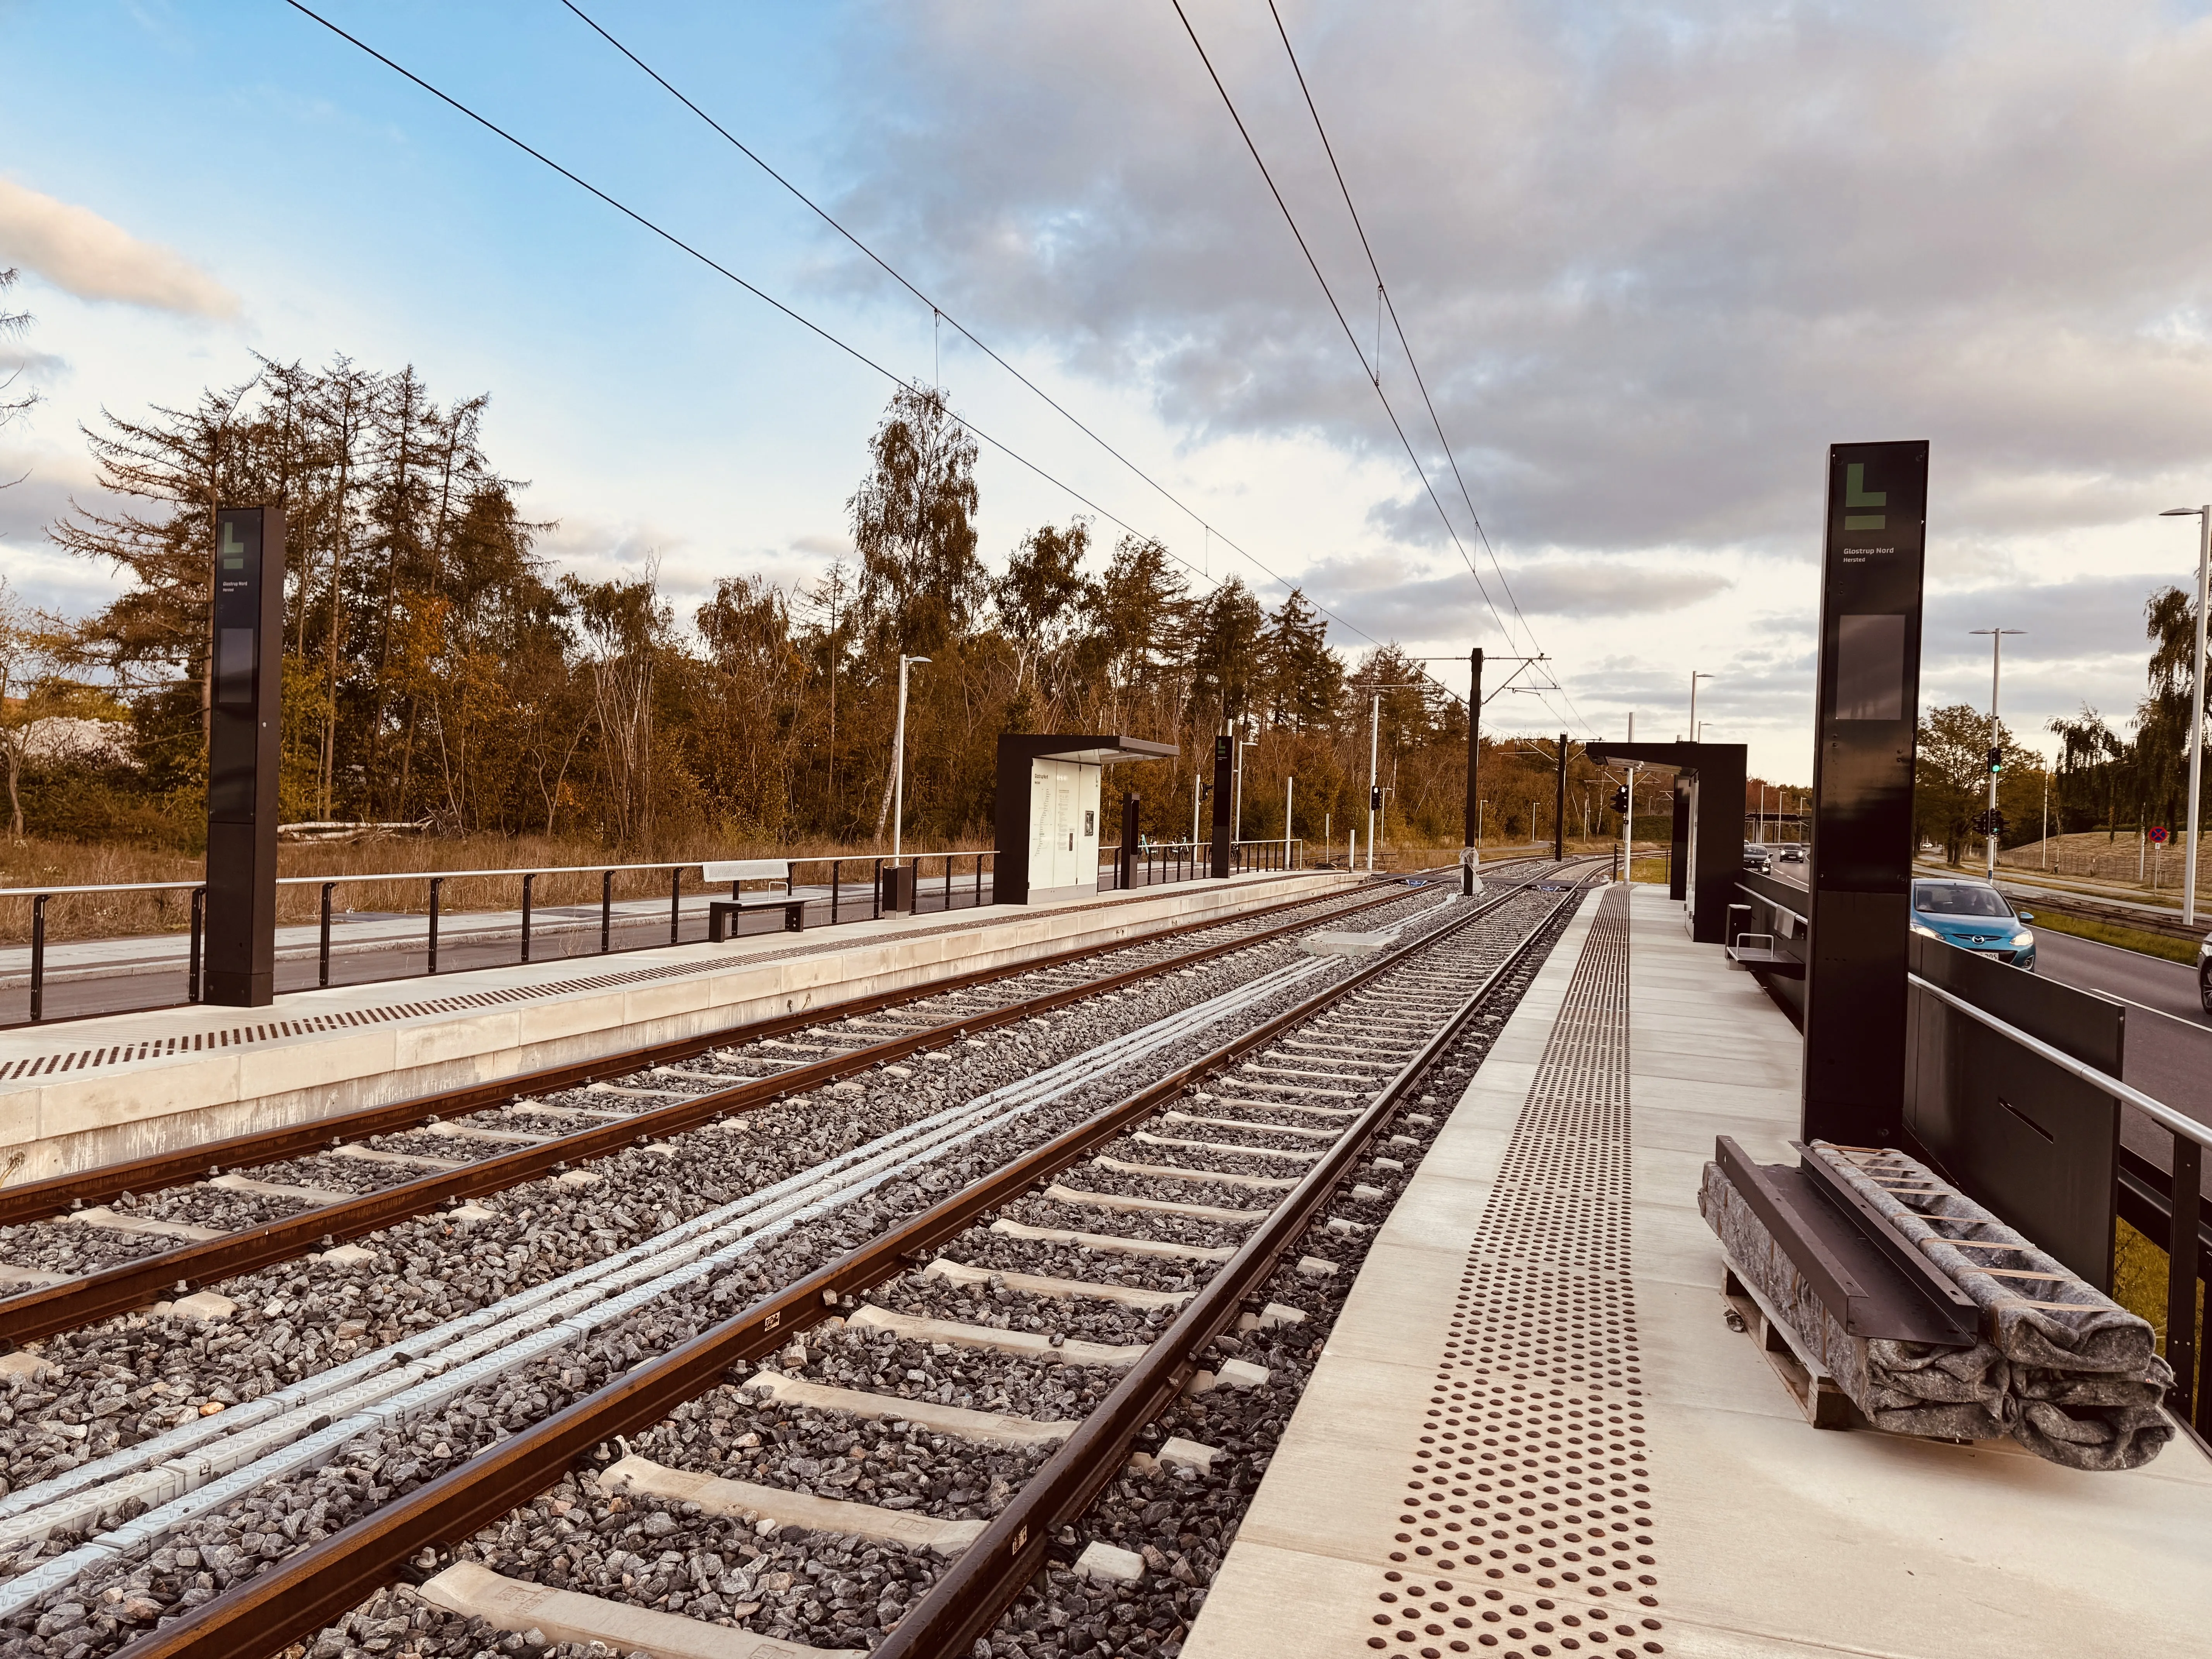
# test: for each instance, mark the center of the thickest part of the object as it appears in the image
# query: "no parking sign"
(2157, 834)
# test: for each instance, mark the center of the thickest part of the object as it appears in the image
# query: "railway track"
(987, 1359)
(83, 1247)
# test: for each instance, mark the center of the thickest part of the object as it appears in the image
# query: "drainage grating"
(1527, 1517)
(274, 1030)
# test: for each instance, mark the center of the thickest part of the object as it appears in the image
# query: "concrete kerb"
(77, 1119)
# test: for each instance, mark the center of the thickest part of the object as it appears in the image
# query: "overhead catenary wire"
(1371, 369)
(816, 329)
(1385, 303)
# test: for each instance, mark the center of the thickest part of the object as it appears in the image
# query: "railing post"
(979, 881)
(38, 957)
(437, 886)
(527, 883)
(675, 905)
(322, 949)
(877, 884)
(199, 925)
(835, 866)
(606, 911)
(2181, 1273)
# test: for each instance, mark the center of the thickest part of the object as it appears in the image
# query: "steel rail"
(313, 1588)
(35, 1200)
(970, 1594)
(88, 1297)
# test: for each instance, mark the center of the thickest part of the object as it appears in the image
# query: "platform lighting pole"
(1996, 742)
(1197, 794)
(1694, 679)
(2196, 706)
(1374, 753)
(898, 760)
(1236, 813)
(1559, 806)
(1290, 791)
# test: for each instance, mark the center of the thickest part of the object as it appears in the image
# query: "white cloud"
(83, 254)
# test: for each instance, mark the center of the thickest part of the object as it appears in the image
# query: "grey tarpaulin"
(2082, 1389)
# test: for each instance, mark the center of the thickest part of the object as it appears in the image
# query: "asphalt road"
(2169, 1041)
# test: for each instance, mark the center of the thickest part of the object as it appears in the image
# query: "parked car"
(1968, 913)
(1755, 858)
(1793, 853)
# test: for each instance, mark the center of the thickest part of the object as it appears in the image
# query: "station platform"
(82, 1092)
(1532, 1433)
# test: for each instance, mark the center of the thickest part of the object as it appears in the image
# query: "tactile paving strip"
(1528, 1518)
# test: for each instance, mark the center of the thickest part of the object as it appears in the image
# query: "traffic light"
(1375, 799)
(1620, 800)
(1996, 761)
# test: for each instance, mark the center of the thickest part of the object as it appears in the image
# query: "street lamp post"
(898, 761)
(2196, 706)
(1374, 752)
(1694, 679)
(1997, 743)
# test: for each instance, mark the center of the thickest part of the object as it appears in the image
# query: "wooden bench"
(723, 914)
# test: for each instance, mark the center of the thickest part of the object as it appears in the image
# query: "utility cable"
(1383, 298)
(813, 327)
(939, 312)
(1371, 370)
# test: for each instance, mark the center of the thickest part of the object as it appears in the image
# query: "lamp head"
(2181, 512)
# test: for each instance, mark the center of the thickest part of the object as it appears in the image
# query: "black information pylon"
(1225, 752)
(245, 719)
(1865, 713)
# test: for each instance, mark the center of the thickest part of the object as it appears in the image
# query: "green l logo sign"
(232, 550)
(1856, 494)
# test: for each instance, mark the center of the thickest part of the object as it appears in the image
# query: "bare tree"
(12, 326)
(33, 644)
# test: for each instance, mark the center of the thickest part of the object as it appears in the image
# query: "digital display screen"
(1870, 668)
(234, 667)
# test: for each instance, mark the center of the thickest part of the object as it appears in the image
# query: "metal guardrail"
(958, 880)
(2191, 1398)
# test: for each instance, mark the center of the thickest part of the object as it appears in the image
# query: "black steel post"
(1128, 877)
(528, 882)
(1475, 750)
(437, 885)
(1865, 710)
(1224, 751)
(199, 929)
(836, 868)
(244, 720)
(675, 905)
(1560, 805)
(2181, 1273)
(38, 957)
(322, 949)
(606, 911)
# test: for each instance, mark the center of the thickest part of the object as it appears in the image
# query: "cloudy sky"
(1651, 259)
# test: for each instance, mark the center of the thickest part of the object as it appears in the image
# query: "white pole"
(1236, 794)
(2196, 714)
(1996, 659)
(1194, 791)
(1290, 790)
(2046, 817)
(1374, 733)
(898, 761)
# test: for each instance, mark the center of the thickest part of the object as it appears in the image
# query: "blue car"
(1974, 917)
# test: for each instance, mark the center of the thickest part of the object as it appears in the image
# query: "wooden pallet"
(1818, 1394)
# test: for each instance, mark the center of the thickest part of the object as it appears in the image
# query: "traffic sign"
(2157, 834)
